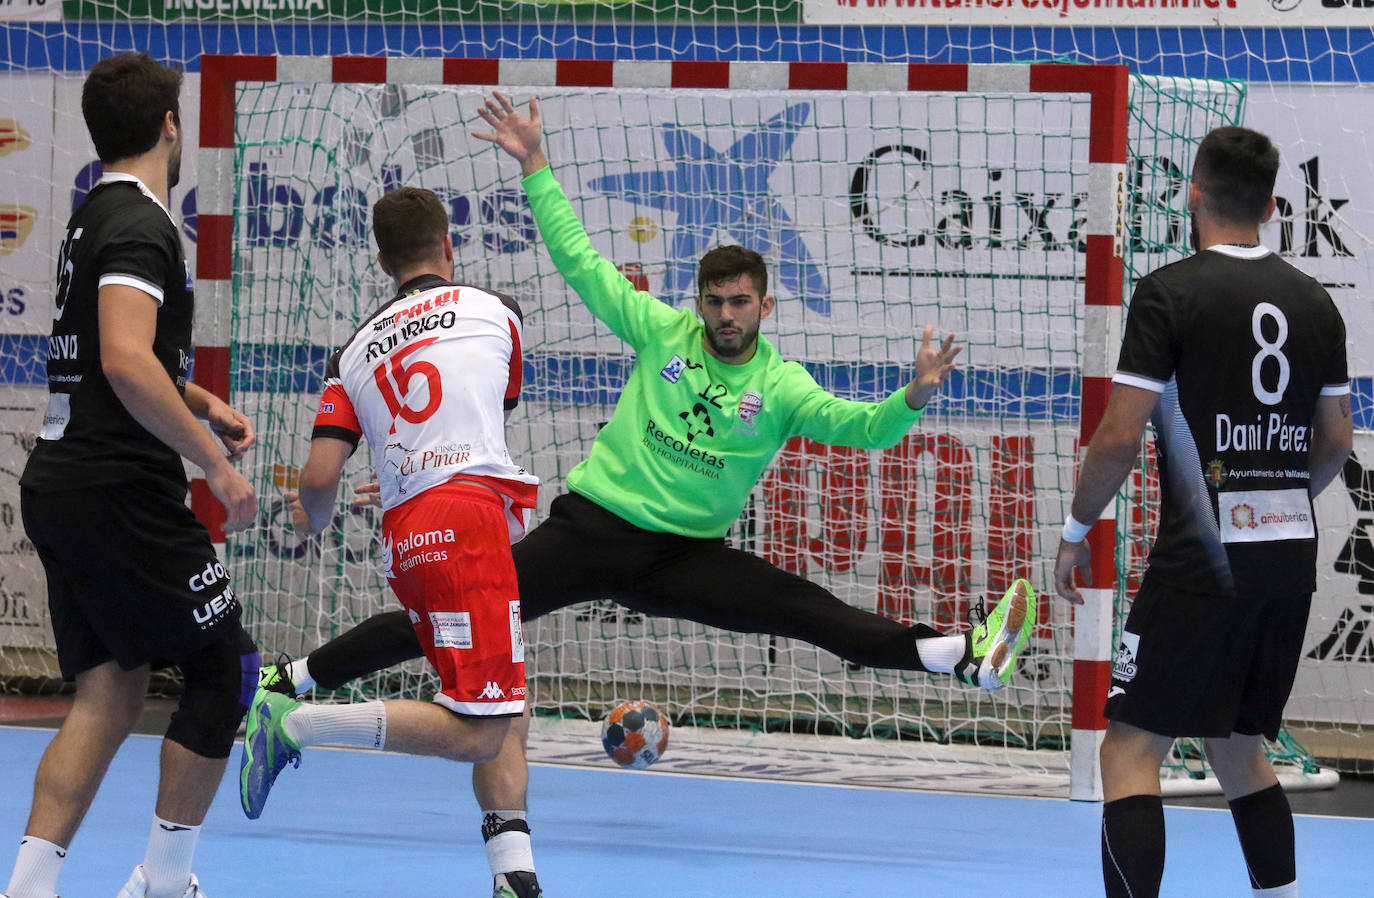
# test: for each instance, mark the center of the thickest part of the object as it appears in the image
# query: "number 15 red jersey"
(427, 380)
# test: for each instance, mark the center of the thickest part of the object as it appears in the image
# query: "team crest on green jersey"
(750, 404)
(672, 372)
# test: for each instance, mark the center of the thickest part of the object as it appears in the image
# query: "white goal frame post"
(1107, 86)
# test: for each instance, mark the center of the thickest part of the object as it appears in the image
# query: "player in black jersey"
(1240, 362)
(133, 578)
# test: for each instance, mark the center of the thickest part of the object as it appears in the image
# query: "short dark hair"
(1235, 169)
(124, 101)
(725, 263)
(410, 225)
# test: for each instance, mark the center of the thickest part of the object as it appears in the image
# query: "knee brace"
(220, 680)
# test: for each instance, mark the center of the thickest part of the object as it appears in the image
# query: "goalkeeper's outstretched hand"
(520, 135)
(932, 368)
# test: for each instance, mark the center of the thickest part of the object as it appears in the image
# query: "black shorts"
(582, 552)
(132, 576)
(1192, 664)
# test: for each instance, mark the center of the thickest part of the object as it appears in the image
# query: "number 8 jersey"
(1239, 344)
(427, 380)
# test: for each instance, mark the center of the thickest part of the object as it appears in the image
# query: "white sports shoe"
(137, 886)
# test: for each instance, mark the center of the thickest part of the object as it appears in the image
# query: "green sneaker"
(266, 749)
(520, 884)
(996, 640)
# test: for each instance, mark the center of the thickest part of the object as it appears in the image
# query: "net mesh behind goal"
(877, 211)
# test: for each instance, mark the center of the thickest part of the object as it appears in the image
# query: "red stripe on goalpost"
(585, 73)
(937, 76)
(1093, 402)
(1103, 274)
(218, 76)
(459, 70)
(1092, 676)
(358, 69)
(700, 74)
(1109, 88)
(817, 75)
(214, 248)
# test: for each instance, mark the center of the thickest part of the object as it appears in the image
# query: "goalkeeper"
(708, 404)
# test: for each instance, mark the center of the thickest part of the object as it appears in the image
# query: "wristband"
(1075, 531)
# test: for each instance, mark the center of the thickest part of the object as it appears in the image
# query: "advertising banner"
(1323, 225)
(1324, 219)
(1115, 13)
(30, 10)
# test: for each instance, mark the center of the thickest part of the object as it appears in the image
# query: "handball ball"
(634, 734)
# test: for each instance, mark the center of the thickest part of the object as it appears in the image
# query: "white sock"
(1288, 891)
(939, 654)
(167, 864)
(36, 869)
(361, 723)
(510, 850)
(299, 672)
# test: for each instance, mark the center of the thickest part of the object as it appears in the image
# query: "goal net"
(878, 210)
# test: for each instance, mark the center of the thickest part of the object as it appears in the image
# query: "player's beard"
(741, 345)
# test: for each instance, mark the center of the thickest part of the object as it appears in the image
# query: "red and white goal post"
(997, 201)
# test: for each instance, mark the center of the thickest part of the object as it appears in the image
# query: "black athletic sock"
(381, 641)
(1264, 822)
(1133, 846)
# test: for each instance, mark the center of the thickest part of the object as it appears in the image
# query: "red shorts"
(447, 555)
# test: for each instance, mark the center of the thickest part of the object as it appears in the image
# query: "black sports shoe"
(274, 677)
(519, 884)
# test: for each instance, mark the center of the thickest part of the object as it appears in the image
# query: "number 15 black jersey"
(1239, 344)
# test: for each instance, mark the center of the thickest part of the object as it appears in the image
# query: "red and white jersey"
(427, 380)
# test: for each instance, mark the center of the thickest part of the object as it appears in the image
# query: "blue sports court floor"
(386, 826)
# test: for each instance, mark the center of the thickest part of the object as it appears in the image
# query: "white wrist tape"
(1075, 531)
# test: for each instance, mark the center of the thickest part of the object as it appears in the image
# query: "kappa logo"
(492, 691)
(1125, 667)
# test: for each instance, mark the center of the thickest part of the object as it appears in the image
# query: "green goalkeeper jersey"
(691, 434)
